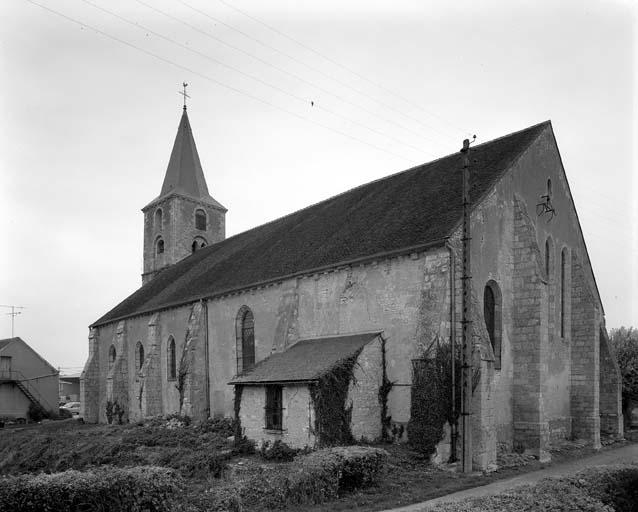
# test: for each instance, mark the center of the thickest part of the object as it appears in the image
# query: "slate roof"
(184, 174)
(305, 361)
(414, 208)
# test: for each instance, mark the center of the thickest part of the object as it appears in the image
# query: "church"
(360, 286)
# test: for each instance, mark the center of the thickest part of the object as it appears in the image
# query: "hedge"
(144, 488)
(598, 489)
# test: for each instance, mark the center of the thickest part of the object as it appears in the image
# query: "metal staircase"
(18, 378)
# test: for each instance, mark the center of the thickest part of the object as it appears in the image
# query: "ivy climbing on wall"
(431, 397)
(329, 396)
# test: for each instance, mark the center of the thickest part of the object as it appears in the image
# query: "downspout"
(206, 357)
(454, 426)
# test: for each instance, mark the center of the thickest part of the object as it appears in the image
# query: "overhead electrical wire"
(313, 68)
(334, 62)
(273, 66)
(301, 99)
(215, 81)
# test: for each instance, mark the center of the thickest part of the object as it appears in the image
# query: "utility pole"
(13, 314)
(466, 366)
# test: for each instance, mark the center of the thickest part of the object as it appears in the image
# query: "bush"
(64, 414)
(222, 426)
(36, 412)
(105, 489)
(598, 489)
(279, 451)
(316, 478)
(244, 446)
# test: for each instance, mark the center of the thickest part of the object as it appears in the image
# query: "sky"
(291, 102)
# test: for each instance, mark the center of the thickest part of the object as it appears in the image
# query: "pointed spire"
(184, 174)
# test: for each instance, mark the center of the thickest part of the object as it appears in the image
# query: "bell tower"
(184, 218)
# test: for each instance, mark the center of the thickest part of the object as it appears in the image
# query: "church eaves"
(407, 211)
(184, 174)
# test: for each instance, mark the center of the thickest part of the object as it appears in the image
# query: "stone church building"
(371, 276)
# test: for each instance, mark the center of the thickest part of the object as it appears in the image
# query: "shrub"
(316, 478)
(64, 413)
(36, 412)
(222, 426)
(615, 485)
(105, 489)
(279, 451)
(177, 420)
(244, 446)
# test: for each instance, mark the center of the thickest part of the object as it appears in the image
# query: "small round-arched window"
(200, 220)
(139, 355)
(171, 359)
(112, 356)
(160, 246)
(198, 243)
(549, 258)
(245, 328)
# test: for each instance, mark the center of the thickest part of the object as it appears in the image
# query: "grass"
(203, 456)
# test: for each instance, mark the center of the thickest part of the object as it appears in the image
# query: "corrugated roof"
(416, 207)
(306, 360)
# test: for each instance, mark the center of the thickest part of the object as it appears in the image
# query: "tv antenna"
(13, 314)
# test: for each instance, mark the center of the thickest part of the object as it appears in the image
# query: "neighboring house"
(25, 378)
(264, 309)
(69, 388)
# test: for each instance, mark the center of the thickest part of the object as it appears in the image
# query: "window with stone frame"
(158, 219)
(112, 356)
(493, 319)
(274, 408)
(200, 220)
(139, 355)
(245, 325)
(172, 361)
(160, 246)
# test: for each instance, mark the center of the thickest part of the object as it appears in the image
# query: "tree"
(625, 343)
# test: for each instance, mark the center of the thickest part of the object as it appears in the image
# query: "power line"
(215, 81)
(319, 71)
(273, 66)
(332, 61)
(301, 99)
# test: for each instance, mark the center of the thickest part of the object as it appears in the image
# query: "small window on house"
(139, 355)
(112, 356)
(274, 407)
(200, 220)
(5, 364)
(160, 246)
(171, 363)
(158, 219)
(492, 316)
(563, 270)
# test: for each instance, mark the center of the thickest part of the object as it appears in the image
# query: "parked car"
(72, 407)
(64, 413)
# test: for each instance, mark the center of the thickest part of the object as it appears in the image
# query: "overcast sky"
(89, 119)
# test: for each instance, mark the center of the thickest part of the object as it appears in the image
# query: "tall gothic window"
(200, 220)
(112, 355)
(563, 269)
(245, 339)
(172, 362)
(139, 355)
(160, 246)
(492, 316)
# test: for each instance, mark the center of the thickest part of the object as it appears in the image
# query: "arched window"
(200, 220)
(492, 316)
(112, 355)
(245, 325)
(549, 260)
(139, 355)
(160, 246)
(158, 219)
(198, 243)
(171, 363)
(563, 291)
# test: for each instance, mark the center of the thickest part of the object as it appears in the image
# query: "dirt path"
(620, 455)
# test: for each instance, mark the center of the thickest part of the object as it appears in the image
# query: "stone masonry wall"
(297, 422)
(151, 374)
(529, 340)
(195, 401)
(363, 393)
(117, 389)
(90, 381)
(585, 390)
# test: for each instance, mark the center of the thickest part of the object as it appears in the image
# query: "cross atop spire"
(184, 85)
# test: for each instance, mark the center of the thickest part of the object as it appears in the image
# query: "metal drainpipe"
(453, 426)
(207, 358)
